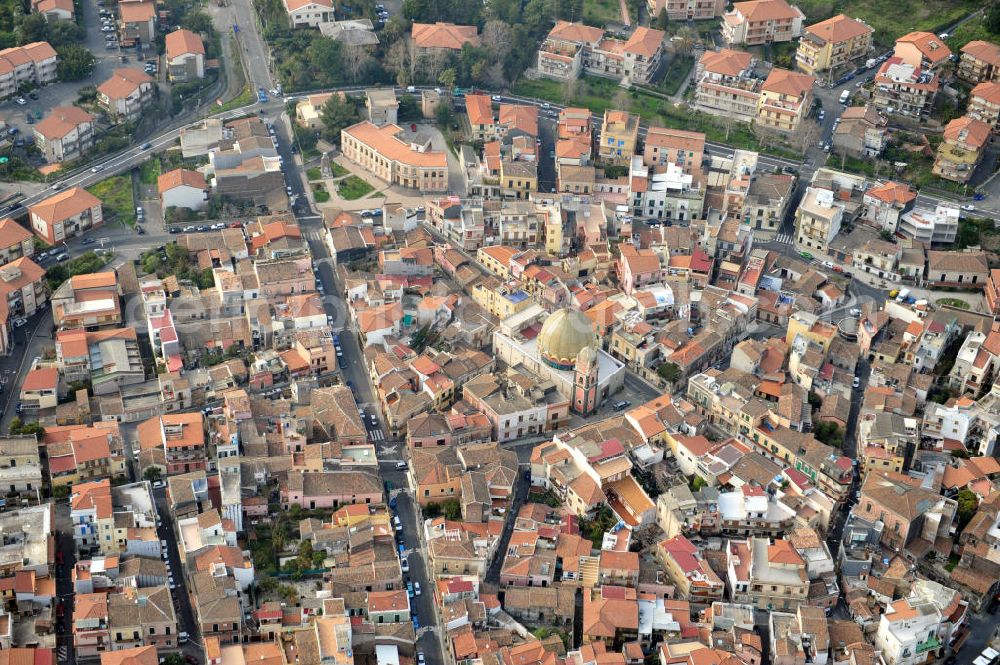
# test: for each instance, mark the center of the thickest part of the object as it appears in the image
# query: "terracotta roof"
(444, 35)
(123, 81)
(645, 42)
(61, 121)
(12, 233)
(726, 62)
(137, 12)
(575, 32)
(479, 109)
(973, 133)
(383, 140)
(183, 42)
(179, 177)
(52, 5)
(895, 193)
(64, 205)
(988, 91)
(520, 116)
(929, 45)
(295, 5)
(988, 52)
(790, 83)
(46, 378)
(839, 28)
(766, 10)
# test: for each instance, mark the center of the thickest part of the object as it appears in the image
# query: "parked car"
(21, 101)
(20, 321)
(856, 383)
(404, 565)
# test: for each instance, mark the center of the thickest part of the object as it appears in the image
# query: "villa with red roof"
(572, 49)
(689, 571)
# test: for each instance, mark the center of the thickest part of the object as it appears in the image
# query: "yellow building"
(619, 135)
(810, 326)
(496, 259)
(502, 300)
(518, 179)
(784, 100)
(833, 43)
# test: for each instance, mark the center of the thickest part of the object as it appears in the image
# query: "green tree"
(447, 78)
(452, 509)
(152, 473)
(337, 114)
(669, 371)
(829, 433)
(968, 503)
(174, 659)
(198, 22)
(697, 483)
(661, 19)
(33, 28)
(409, 109)
(993, 18)
(75, 63)
(686, 37)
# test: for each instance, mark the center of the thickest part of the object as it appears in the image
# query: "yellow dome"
(563, 336)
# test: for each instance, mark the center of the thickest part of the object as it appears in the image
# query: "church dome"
(563, 336)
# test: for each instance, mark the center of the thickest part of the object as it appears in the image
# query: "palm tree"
(685, 40)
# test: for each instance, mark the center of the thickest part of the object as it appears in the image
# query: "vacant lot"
(969, 31)
(601, 12)
(116, 196)
(892, 19)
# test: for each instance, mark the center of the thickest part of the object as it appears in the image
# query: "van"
(844, 96)
(622, 405)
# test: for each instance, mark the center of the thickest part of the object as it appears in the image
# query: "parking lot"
(65, 93)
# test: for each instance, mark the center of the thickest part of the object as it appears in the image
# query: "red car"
(60, 610)
(236, 225)
(59, 557)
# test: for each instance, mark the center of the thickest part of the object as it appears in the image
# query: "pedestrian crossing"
(315, 234)
(376, 435)
(63, 654)
(784, 238)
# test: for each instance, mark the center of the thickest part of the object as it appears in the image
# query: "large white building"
(938, 226)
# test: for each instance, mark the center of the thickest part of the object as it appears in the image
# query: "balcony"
(932, 642)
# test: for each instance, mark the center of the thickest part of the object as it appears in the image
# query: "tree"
(886, 235)
(685, 40)
(199, 22)
(968, 503)
(409, 109)
(355, 58)
(447, 78)
(829, 433)
(661, 19)
(33, 28)
(496, 39)
(993, 18)
(397, 60)
(152, 473)
(75, 63)
(338, 113)
(669, 372)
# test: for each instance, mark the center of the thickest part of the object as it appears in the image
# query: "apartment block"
(126, 93)
(962, 149)
(619, 135)
(832, 44)
(407, 163)
(571, 49)
(817, 220)
(984, 104)
(923, 50)
(65, 215)
(726, 85)
(687, 10)
(785, 99)
(185, 56)
(32, 63)
(904, 88)
(760, 22)
(979, 62)
(65, 134)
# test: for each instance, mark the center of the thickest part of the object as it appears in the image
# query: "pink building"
(637, 268)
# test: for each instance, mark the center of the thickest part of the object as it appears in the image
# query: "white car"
(855, 311)
(21, 101)
(404, 565)
(420, 658)
(857, 382)
(397, 524)
(20, 322)
(496, 98)
(968, 207)
(416, 588)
